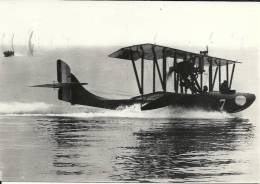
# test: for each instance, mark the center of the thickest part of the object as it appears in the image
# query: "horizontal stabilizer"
(60, 85)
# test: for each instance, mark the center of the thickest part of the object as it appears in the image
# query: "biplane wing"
(187, 66)
(151, 51)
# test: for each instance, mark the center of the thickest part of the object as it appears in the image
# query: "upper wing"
(151, 51)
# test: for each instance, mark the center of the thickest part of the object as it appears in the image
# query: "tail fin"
(64, 76)
(66, 82)
(71, 90)
(63, 72)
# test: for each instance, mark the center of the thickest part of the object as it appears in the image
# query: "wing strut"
(175, 74)
(157, 66)
(136, 75)
(219, 75)
(210, 76)
(201, 69)
(154, 76)
(164, 69)
(142, 71)
(215, 76)
(227, 73)
(232, 74)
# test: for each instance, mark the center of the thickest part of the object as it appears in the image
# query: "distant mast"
(12, 41)
(30, 45)
(2, 42)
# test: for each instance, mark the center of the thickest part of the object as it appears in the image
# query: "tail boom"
(71, 90)
(79, 95)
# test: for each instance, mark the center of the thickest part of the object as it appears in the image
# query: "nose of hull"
(243, 101)
(251, 98)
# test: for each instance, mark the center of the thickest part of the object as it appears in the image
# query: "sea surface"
(166, 145)
(44, 139)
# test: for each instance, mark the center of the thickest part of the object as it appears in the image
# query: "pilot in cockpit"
(224, 87)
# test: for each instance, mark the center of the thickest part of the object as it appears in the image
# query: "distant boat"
(30, 45)
(8, 53)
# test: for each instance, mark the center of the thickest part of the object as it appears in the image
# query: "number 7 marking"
(222, 103)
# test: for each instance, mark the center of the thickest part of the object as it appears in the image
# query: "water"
(44, 139)
(115, 146)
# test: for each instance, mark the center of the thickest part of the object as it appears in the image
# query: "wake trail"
(134, 111)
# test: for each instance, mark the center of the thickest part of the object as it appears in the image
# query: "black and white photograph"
(129, 91)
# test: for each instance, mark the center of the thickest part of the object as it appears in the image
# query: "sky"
(193, 24)
(230, 29)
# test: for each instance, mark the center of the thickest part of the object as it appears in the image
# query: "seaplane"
(186, 70)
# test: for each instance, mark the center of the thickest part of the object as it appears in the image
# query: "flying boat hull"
(214, 101)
